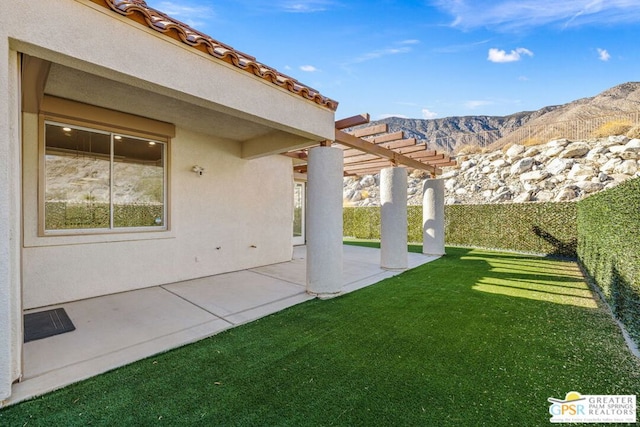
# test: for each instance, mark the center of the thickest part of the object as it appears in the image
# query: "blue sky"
(432, 58)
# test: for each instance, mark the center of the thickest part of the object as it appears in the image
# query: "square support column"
(11, 336)
(393, 219)
(433, 217)
(324, 221)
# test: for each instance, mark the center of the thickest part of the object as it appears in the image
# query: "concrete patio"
(118, 329)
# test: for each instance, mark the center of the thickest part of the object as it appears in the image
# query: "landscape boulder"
(581, 172)
(515, 150)
(576, 149)
(521, 166)
(557, 166)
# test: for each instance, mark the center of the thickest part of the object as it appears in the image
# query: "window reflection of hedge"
(67, 216)
(297, 221)
(137, 215)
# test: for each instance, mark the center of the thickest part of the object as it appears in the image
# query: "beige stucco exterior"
(231, 207)
(237, 215)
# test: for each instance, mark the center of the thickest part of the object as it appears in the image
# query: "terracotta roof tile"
(156, 20)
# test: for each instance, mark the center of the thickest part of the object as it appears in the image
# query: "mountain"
(450, 134)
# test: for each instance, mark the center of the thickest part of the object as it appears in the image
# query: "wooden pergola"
(369, 149)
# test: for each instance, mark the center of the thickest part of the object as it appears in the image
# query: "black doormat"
(46, 324)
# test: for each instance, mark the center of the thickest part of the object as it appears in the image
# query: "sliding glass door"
(299, 201)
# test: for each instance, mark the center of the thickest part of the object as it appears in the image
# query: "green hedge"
(543, 228)
(364, 223)
(361, 223)
(609, 249)
(546, 228)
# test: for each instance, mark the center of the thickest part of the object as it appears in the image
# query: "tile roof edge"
(138, 11)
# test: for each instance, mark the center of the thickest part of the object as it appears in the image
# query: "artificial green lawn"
(474, 338)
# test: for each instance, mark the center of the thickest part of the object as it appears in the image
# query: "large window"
(97, 180)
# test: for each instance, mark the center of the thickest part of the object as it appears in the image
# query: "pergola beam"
(443, 163)
(403, 143)
(409, 142)
(371, 130)
(426, 156)
(348, 122)
(371, 170)
(350, 152)
(371, 148)
(395, 158)
(363, 157)
(376, 163)
(420, 149)
(387, 137)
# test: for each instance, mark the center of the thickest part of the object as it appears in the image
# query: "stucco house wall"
(243, 207)
(237, 215)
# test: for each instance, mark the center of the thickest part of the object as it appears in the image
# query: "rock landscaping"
(560, 170)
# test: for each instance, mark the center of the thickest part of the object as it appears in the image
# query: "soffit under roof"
(76, 85)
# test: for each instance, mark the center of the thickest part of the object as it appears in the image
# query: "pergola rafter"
(368, 150)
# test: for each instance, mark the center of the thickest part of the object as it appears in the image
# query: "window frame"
(112, 228)
(91, 118)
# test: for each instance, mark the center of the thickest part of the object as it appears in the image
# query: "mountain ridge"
(450, 134)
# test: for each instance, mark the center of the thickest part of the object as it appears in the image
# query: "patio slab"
(114, 330)
(232, 293)
(114, 323)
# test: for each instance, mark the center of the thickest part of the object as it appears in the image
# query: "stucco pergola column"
(433, 217)
(324, 221)
(393, 218)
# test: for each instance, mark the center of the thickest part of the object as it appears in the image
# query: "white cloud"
(426, 114)
(604, 55)
(523, 78)
(193, 16)
(308, 68)
(404, 46)
(510, 15)
(455, 48)
(498, 55)
(379, 54)
(305, 6)
(473, 104)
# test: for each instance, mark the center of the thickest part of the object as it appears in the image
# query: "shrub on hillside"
(506, 147)
(468, 149)
(634, 132)
(614, 127)
(530, 142)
